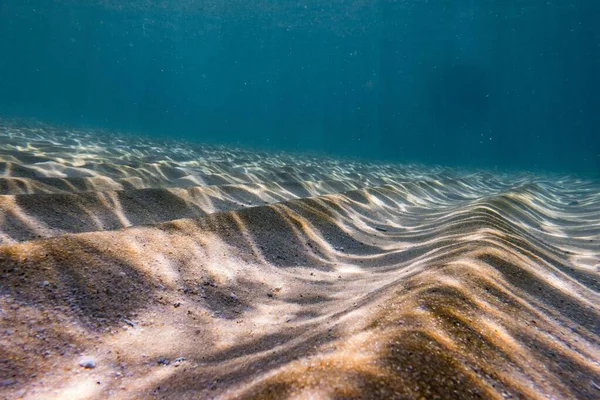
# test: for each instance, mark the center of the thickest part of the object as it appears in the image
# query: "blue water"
(507, 84)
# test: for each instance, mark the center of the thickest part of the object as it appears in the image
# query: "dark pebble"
(163, 361)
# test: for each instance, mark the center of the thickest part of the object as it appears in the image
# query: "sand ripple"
(210, 272)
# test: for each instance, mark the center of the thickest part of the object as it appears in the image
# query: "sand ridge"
(292, 277)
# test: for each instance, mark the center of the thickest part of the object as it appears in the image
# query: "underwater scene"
(262, 199)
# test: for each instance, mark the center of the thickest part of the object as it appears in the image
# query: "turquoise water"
(496, 84)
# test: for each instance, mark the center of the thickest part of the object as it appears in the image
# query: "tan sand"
(292, 277)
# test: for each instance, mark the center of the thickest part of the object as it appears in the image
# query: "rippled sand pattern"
(208, 272)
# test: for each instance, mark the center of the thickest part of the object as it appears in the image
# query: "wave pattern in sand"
(207, 272)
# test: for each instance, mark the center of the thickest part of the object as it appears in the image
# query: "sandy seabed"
(138, 268)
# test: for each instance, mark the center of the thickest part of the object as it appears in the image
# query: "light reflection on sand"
(279, 276)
